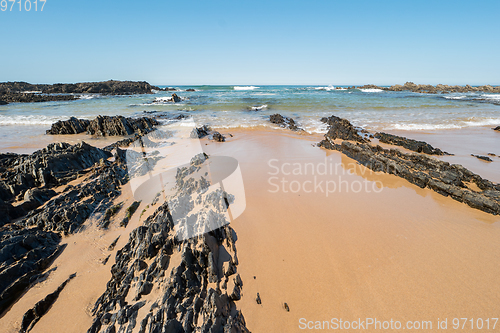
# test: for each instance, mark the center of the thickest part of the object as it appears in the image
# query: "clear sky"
(253, 42)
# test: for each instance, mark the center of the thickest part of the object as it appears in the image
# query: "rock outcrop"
(484, 158)
(497, 128)
(340, 128)
(200, 132)
(424, 171)
(104, 126)
(24, 255)
(410, 144)
(218, 137)
(284, 122)
(430, 89)
(165, 283)
(26, 92)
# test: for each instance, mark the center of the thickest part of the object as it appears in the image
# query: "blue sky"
(253, 42)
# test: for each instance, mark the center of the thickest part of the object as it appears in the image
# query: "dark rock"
(497, 128)
(20, 91)
(24, 254)
(190, 89)
(119, 125)
(35, 197)
(200, 132)
(258, 300)
(440, 88)
(285, 306)
(69, 210)
(342, 129)
(3, 103)
(175, 98)
(424, 171)
(187, 303)
(71, 126)
(218, 137)
(285, 122)
(484, 158)
(410, 144)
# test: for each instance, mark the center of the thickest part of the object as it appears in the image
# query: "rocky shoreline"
(430, 89)
(418, 168)
(40, 207)
(23, 92)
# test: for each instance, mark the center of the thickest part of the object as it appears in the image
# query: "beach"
(316, 235)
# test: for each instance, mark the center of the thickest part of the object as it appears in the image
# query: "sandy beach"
(394, 251)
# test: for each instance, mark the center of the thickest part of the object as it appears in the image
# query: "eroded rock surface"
(410, 144)
(284, 122)
(104, 126)
(340, 128)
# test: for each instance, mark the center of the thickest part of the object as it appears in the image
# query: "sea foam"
(245, 88)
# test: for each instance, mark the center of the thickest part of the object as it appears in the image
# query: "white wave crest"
(245, 88)
(493, 97)
(30, 120)
(258, 108)
(87, 96)
(455, 97)
(371, 90)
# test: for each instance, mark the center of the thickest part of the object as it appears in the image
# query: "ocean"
(248, 106)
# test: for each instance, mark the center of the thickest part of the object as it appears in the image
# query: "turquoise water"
(246, 106)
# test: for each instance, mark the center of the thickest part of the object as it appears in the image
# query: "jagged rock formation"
(410, 144)
(284, 122)
(424, 171)
(25, 252)
(430, 89)
(24, 255)
(162, 283)
(104, 126)
(69, 210)
(23, 91)
(200, 132)
(342, 129)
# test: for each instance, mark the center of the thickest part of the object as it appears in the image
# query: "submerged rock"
(410, 144)
(284, 122)
(175, 98)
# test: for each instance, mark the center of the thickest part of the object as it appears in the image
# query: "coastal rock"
(26, 93)
(342, 129)
(177, 294)
(66, 212)
(410, 144)
(424, 171)
(200, 132)
(24, 255)
(70, 126)
(218, 137)
(190, 89)
(497, 128)
(119, 125)
(440, 88)
(175, 98)
(53, 165)
(484, 158)
(284, 122)
(104, 126)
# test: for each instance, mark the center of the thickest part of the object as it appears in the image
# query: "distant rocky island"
(23, 92)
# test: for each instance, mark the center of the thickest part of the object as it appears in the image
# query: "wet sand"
(394, 251)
